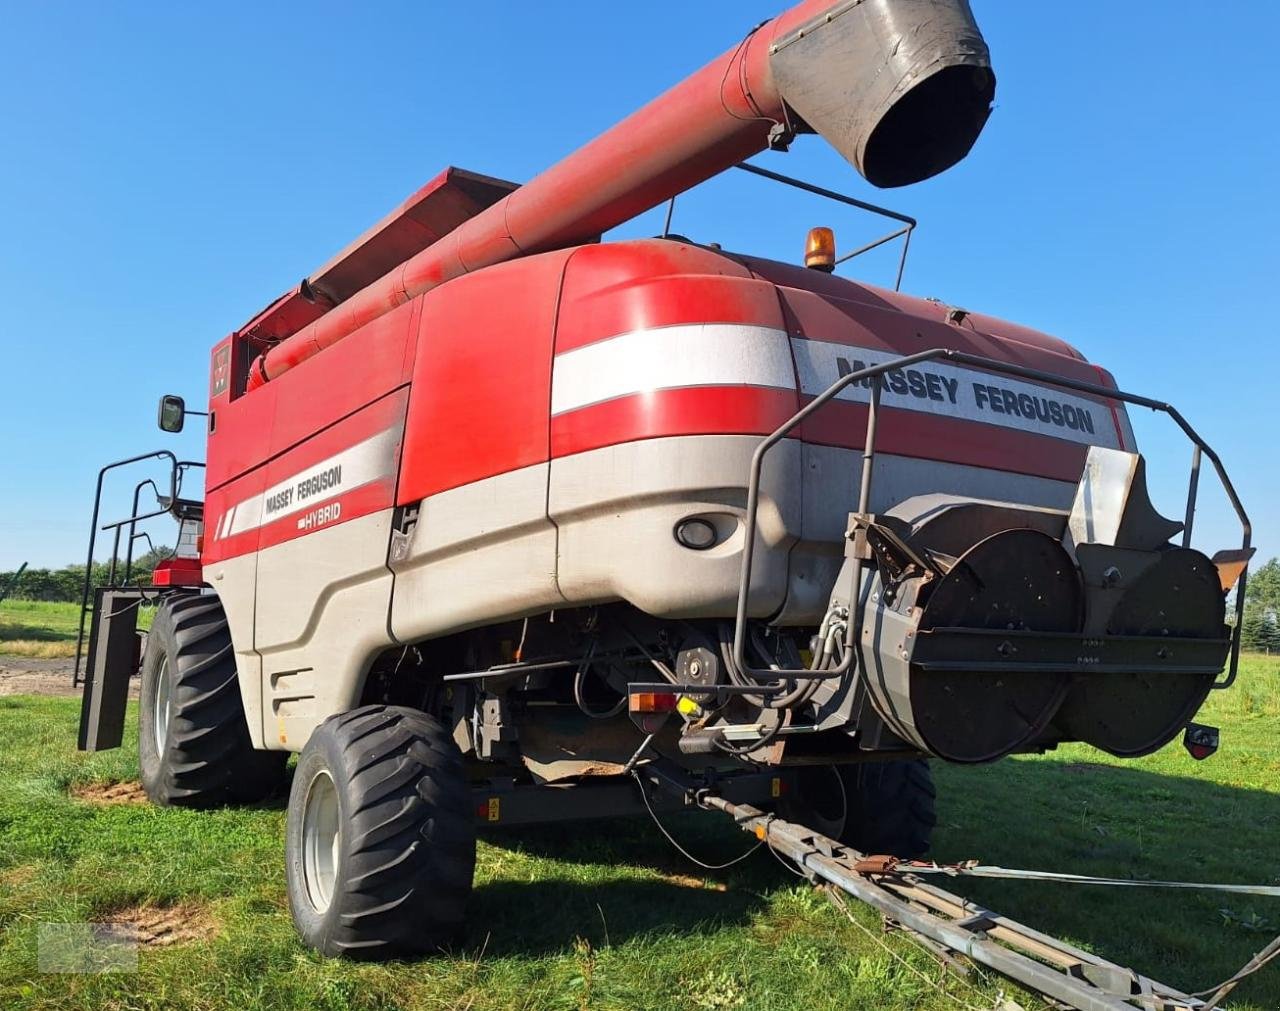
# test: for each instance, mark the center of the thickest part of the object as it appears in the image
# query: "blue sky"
(169, 169)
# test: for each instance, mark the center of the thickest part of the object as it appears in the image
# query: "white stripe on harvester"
(700, 354)
(730, 354)
(353, 467)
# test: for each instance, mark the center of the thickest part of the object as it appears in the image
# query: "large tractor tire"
(380, 842)
(874, 807)
(193, 742)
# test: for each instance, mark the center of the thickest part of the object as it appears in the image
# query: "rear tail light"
(652, 702)
(1200, 741)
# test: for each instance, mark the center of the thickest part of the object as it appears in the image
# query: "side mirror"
(172, 414)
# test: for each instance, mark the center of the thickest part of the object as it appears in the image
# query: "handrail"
(177, 470)
(1202, 448)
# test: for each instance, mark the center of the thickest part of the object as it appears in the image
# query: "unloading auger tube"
(981, 624)
(901, 88)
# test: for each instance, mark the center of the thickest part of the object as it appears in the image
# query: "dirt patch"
(163, 926)
(25, 675)
(689, 881)
(110, 793)
(16, 877)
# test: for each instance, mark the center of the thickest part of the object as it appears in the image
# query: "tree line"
(1260, 630)
(67, 583)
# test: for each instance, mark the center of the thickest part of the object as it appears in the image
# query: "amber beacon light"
(820, 250)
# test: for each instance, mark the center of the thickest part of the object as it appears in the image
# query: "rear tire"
(193, 742)
(380, 842)
(874, 807)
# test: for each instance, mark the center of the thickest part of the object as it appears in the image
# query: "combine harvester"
(501, 520)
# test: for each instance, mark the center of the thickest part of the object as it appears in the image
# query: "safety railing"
(1201, 449)
(177, 470)
(908, 223)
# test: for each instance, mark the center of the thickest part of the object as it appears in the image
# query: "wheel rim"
(321, 838)
(162, 704)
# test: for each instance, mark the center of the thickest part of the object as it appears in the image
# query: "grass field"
(577, 918)
(36, 628)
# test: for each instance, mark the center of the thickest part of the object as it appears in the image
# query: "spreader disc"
(1015, 580)
(1180, 596)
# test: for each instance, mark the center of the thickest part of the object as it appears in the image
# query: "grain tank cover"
(452, 197)
(901, 89)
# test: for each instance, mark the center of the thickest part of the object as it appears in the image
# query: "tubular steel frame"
(909, 223)
(177, 470)
(1201, 449)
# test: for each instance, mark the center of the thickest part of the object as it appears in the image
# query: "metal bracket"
(403, 523)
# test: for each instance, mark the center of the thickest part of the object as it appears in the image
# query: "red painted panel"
(218, 502)
(369, 364)
(385, 415)
(362, 501)
(843, 289)
(858, 324)
(241, 427)
(739, 410)
(253, 428)
(481, 394)
(245, 493)
(935, 437)
(621, 287)
(846, 321)
(178, 572)
(698, 410)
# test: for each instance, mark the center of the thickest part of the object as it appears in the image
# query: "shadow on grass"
(1123, 822)
(1132, 823)
(16, 630)
(549, 915)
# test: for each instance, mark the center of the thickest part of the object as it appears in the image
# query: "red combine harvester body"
(492, 507)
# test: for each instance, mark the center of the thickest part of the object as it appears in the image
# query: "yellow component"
(494, 810)
(687, 707)
(775, 787)
(761, 832)
(820, 250)
(284, 736)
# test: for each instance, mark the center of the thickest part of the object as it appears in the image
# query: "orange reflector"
(652, 702)
(1230, 565)
(761, 832)
(820, 250)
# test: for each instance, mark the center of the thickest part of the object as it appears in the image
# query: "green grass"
(43, 629)
(609, 917)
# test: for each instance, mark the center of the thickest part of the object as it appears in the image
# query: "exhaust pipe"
(901, 88)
